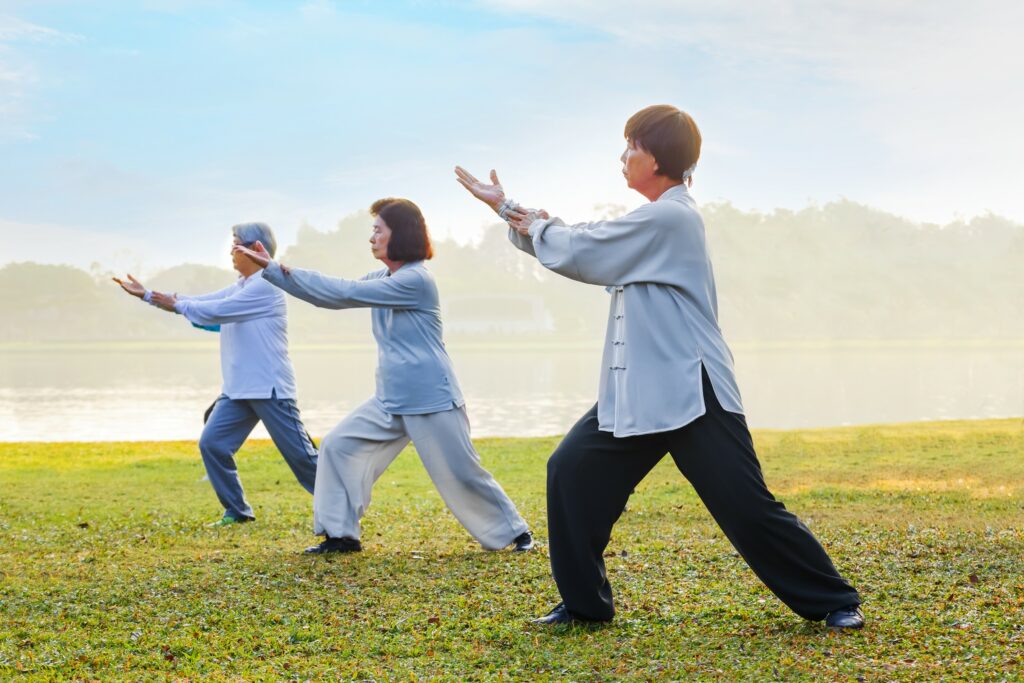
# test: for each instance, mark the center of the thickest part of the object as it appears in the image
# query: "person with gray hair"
(259, 382)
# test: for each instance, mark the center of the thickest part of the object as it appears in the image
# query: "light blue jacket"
(663, 320)
(414, 373)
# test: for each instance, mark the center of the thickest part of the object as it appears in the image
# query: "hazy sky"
(136, 133)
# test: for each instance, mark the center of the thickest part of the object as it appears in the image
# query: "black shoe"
(523, 542)
(335, 545)
(845, 617)
(560, 616)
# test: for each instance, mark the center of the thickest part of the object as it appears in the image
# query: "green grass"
(107, 570)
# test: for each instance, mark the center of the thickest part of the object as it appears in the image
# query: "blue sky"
(134, 134)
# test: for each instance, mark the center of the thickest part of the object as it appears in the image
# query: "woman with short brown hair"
(667, 386)
(417, 399)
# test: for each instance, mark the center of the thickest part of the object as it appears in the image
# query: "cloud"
(915, 50)
(317, 10)
(19, 75)
(13, 29)
(933, 88)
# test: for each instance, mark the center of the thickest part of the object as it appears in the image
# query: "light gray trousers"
(229, 425)
(358, 450)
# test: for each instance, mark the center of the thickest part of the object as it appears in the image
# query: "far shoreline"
(952, 423)
(515, 344)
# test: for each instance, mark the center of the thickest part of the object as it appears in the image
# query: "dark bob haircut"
(410, 239)
(667, 134)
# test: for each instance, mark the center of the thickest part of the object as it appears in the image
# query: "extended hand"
(492, 195)
(132, 286)
(258, 254)
(164, 301)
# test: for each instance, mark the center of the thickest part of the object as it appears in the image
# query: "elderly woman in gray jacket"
(417, 397)
(667, 385)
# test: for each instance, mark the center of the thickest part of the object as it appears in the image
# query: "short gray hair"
(247, 233)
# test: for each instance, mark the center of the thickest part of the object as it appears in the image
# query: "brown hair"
(410, 239)
(669, 135)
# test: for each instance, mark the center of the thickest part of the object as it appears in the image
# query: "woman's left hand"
(492, 195)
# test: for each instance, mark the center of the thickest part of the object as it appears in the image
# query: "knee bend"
(562, 465)
(207, 446)
(329, 446)
(332, 447)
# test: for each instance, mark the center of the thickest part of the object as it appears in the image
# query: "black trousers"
(592, 473)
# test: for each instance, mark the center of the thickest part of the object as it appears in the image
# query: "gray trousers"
(229, 425)
(358, 450)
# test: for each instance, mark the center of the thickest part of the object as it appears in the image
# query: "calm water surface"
(148, 395)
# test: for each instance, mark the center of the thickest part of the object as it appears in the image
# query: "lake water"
(102, 395)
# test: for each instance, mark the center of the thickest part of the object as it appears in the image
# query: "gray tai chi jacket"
(414, 373)
(663, 321)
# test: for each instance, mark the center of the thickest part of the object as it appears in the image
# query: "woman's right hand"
(492, 195)
(258, 254)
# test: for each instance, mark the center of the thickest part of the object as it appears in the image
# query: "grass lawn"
(108, 571)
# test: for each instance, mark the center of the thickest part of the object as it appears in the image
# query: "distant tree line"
(842, 271)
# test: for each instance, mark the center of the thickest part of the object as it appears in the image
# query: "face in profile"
(238, 261)
(638, 166)
(379, 238)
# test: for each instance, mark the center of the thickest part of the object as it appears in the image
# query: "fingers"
(132, 278)
(544, 214)
(465, 175)
(259, 248)
(494, 177)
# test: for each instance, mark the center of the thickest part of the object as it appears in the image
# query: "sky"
(134, 134)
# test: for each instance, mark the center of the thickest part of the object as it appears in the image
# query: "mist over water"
(837, 314)
(119, 395)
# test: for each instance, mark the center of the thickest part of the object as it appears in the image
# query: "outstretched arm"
(244, 304)
(645, 245)
(401, 290)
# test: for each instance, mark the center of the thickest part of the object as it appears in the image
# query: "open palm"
(492, 195)
(132, 286)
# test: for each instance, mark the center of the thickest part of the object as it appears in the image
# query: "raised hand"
(132, 286)
(492, 195)
(257, 254)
